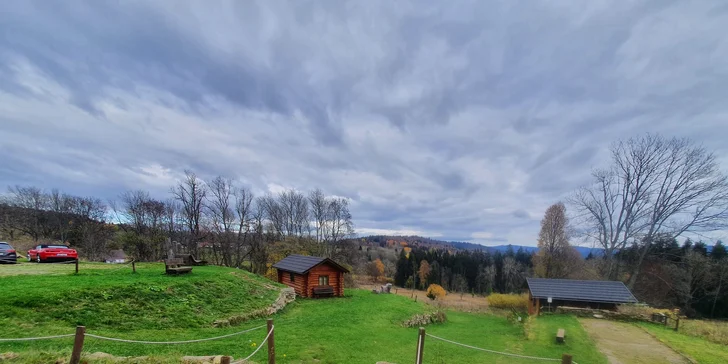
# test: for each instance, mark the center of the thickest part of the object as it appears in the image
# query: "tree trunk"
(717, 294)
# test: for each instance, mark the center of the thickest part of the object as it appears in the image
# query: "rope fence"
(270, 332)
(81, 334)
(36, 338)
(565, 359)
(171, 342)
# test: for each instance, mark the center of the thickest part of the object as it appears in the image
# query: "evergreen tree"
(701, 248)
(719, 251)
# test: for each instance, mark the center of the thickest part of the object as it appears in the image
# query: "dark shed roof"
(302, 263)
(585, 291)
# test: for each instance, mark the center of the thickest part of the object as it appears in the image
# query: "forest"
(215, 220)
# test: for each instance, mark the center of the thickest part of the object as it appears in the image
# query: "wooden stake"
(225, 360)
(677, 323)
(566, 359)
(133, 266)
(271, 343)
(76, 265)
(420, 346)
(78, 344)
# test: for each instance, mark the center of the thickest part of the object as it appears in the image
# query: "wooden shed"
(552, 293)
(311, 276)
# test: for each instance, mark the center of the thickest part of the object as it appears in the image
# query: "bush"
(642, 311)
(426, 319)
(715, 331)
(435, 291)
(519, 302)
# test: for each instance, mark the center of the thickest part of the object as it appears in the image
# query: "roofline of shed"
(583, 300)
(326, 260)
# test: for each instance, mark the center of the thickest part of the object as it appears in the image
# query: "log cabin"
(312, 276)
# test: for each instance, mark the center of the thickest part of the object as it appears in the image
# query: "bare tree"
(61, 204)
(459, 284)
(654, 186)
(319, 212)
(513, 276)
(245, 217)
(190, 193)
(146, 222)
(485, 280)
(220, 206)
(294, 207)
(341, 226)
(31, 202)
(92, 234)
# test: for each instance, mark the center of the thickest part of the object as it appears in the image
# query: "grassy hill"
(111, 296)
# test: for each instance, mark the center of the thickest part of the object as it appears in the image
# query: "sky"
(457, 120)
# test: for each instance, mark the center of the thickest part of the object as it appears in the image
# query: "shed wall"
(298, 283)
(336, 278)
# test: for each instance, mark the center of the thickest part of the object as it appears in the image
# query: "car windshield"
(5, 246)
(54, 246)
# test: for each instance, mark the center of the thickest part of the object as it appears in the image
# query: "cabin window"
(323, 280)
(292, 277)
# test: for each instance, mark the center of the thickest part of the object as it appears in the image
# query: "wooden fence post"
(271, 343)
(133, 266)
(566, 359)
(420, 345)
(225, 360)
(677, 323)
(76, 265)
(78, 344)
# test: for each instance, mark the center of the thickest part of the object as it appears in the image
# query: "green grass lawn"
(359, 328)
(700, 350)
(102, 297)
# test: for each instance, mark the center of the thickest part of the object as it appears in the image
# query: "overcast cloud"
(453, 120)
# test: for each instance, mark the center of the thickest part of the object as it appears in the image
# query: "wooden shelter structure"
(311, 276)
(552, 293)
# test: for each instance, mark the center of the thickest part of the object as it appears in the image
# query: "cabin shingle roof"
(302, 263)
(576, 290)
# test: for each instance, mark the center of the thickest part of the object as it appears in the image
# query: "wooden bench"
(323, 291)
(560, 336)
(174, 266)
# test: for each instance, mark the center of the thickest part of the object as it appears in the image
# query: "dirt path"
(623, 343)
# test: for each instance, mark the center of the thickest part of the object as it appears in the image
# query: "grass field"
(715, 331)
(360, 328)
(698, 349)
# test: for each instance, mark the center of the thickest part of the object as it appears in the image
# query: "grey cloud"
(445, 119)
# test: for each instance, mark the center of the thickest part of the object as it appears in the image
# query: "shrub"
(418, 320)
(518, 302)
(715, 331)
(435, 291)
(645, 312)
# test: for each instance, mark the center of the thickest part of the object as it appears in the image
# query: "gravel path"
(623, 343)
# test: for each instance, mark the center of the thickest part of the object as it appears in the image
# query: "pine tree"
(719, 251)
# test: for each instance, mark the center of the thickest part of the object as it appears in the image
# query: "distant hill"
(584, 251)
(422, 241)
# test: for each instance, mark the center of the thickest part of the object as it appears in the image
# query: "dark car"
(7, 253)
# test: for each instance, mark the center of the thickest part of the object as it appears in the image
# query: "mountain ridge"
(461, 245)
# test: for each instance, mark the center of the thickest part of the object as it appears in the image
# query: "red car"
(46, 253)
